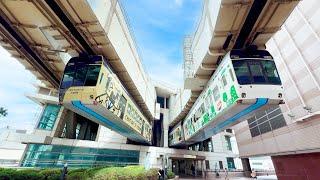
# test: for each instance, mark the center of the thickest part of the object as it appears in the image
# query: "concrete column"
(71, 125)
(202, 169)
(246, 167)
(83, 130)
(165, 126)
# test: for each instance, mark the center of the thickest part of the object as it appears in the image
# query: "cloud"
(178, 2)
(159, 27)
(162, 68)
(15, 82)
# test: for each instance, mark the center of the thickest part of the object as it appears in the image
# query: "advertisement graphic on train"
(220, 94)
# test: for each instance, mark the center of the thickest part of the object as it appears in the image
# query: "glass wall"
(266, 121)
(49, 116)
(39, 155)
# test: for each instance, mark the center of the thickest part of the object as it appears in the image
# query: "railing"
(188, 66)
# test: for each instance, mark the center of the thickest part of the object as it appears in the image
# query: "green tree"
(3, 112)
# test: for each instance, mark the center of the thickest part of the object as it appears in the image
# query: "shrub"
(51, 174)
(170, 175)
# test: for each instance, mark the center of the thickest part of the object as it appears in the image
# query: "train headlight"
(243, 95)
(280, 95)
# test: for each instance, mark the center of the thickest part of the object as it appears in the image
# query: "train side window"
(231, 75)
(216, 93)
(102, 74)
(242, 71)
(224, 80)
(207, 102)
(122, 105)
(108, 82)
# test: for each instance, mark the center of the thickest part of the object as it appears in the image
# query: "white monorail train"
(90, 89)
(245, 82)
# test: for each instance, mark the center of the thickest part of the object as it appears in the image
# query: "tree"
(3, 112)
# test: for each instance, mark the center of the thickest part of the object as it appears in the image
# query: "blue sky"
(16, 81)
(159, 27)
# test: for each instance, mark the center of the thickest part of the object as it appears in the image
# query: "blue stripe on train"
(104, 120)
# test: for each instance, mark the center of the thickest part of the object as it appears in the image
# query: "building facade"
(290, 134)
(61, 136)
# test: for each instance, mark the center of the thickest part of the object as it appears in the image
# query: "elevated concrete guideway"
(226, 25)
(44, 34)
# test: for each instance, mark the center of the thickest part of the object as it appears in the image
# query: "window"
(81, 72)
(271, 72)
(207, 164)
(220, 164)
(228, 143)
(80, 75)
(161, 101)
(92, 75)
(49, 116)
(68, 76)
(224, 80)
(230, 163)
(45, 156)
(216, 94)
(266, 121)
(231, 75)
(122, 105)
(102, 74)
(256, 72)
(242, 71)
(207, 103)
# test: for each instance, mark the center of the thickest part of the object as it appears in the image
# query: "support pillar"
(246, 167)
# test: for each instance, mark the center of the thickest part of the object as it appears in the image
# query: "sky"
(16, 81)
(159, 27)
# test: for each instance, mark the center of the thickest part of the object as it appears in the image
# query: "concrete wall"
(296, 52)
(177, 102)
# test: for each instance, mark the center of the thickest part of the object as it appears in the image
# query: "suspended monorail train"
(245, 82)
(89, 88)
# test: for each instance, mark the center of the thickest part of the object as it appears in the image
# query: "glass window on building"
(266, 121)
(161, 101)
(230, 163)
(167, 103)
(49, 116)
(45, 156)
(207, 164)
(228, 143)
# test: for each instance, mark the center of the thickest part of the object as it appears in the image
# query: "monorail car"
(90, 89)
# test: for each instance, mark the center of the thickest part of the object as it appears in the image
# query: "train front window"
(68, 76)
(92, 75)
(242, 71)
(271, 72)
(80, 75)
(256, 71)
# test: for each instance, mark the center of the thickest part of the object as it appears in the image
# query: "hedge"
(102, 173)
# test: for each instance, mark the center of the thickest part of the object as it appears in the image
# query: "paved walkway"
(222, 178)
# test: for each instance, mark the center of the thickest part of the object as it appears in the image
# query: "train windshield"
(79, 72)
(251, 71)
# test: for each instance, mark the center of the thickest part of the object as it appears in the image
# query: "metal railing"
(188, 65)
